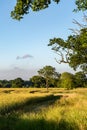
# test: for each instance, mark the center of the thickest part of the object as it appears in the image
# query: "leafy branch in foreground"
(81, 5)
(72, 51)
(23, 6)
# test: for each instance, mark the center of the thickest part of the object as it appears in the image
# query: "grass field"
(37, 109)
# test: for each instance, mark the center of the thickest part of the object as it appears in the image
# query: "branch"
(85, 18)
(67, 55)
(75, 31)
(77, 23)
(64, 59)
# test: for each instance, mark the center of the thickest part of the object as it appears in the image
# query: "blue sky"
(23, 44)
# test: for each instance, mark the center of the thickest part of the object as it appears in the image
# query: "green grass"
(57, 109)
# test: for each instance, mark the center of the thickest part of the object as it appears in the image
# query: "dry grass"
(14, 98)
(67, 113)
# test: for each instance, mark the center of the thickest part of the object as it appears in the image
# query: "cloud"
(24, 57)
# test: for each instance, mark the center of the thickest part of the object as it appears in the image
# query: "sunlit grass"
(69, 112)
(13, 98)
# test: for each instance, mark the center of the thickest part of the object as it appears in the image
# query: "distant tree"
(27, 84)
(48, 72)
(1, 85)
(80, 79)
(17, 83)
(38, 81)
(67, 80)
(5, 84)
(53, 82)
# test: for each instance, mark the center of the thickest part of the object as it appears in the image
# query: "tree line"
(49, 77)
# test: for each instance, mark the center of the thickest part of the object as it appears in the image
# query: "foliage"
(48, 77)
(27, 83)
(48, 72)
(23, 6)
(5, 84)
(38, 81)
(67, 80)
(80, 79)
(73, 50)
(1, 86)
(18, 82)
(53, 83)
(81, 5)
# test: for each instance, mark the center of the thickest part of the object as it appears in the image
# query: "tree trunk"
(47, 84)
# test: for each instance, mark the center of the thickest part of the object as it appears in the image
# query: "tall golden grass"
(67, 113)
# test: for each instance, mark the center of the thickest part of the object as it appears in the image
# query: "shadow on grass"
(38, 105)
(31, 105)
(14, 123)
(7, 91)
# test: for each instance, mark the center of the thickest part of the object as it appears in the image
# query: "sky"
(23, 44)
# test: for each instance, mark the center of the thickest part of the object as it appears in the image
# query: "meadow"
(39, 109)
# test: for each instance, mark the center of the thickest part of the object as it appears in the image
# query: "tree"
(80, 79)
(53, 82)
(48, 72)
(38, 81)
(1, 85)
(5, 84)
(73, 50)
(17, 83)
(27, 84)
(67, 80)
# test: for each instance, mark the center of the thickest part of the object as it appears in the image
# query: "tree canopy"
(37, 81)
(24, 6)
(48, 72)
(67, 80)
(18, 82)
(80, 79)
(81, 5)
